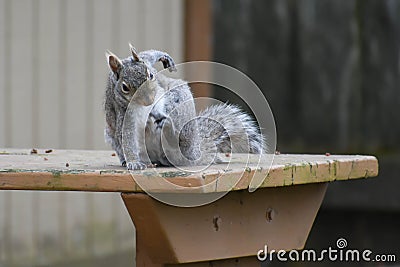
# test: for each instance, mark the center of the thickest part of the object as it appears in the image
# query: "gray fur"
(172, 134)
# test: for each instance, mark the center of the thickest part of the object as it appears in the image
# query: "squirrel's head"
(129, 74)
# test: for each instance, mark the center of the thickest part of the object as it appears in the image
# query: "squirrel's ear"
(114, 62)
(134, 53)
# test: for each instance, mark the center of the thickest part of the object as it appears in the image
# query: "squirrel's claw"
(137, 165)
(168, 62)
(153, 56)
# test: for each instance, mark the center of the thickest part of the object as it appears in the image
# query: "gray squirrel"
(151, 118)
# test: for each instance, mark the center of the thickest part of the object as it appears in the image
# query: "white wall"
(53, 68)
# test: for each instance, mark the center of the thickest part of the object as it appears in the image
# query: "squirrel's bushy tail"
(230, 129)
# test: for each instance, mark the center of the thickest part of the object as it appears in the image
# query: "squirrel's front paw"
(137, 165)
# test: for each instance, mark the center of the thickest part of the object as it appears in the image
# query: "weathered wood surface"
(99, 171)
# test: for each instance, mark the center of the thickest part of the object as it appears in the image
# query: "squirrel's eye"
(125, 88)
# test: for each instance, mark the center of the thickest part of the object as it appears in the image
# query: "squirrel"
(151, 118)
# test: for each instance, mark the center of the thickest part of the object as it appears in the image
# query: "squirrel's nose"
(159, 119)
(160, 122)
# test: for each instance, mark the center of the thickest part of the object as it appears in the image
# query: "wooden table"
(228, 232)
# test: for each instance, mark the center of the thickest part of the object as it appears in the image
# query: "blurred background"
(330, 70)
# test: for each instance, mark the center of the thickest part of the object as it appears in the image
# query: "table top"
(100, 171)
